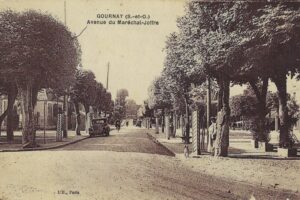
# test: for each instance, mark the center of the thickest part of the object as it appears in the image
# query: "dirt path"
(113, 175)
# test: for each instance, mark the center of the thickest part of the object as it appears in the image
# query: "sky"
(135, 52)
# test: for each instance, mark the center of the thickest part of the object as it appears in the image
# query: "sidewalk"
(243, 164)
(47, 142)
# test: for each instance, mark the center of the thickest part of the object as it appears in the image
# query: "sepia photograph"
(149, 100)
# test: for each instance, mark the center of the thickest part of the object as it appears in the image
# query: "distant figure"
(118, 125)
(127, 123)
(186, 151)
(212, 134)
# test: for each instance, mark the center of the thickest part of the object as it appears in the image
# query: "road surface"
(126, 140)
(126, 165)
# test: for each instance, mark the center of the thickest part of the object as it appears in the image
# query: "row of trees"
(124, 107)
(37, 51)
(245, 106)
(91, 94)
(232, 43)
(120, 104)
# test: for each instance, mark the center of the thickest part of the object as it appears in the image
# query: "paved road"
(126, 140)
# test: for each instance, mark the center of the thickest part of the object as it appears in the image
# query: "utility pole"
(65, 129)
(208, 106)
(107, 77)
(65, 12)
(65, 104)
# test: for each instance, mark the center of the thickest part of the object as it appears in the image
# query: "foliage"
(292, 106)
(147, 111)
(248, 107)
(107, 103)
(175, 73)
(198, 94)
(120, 104)
(84, 89)
(89, 92)
(243, 105)
(159, 96)
(35, 45)
(131, 108)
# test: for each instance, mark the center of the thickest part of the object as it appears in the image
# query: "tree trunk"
(261, 131)
(283, 112)
(87, 111)
(87, 121)
(78, 121)
(182, 125)
(174, 123)
(65, 111)
(220, 95)
(2, 117)
(11, 96)
(171, 125)
(163, 121)
(35, 91)
(223, 119)
(187, 124)
(28, 132)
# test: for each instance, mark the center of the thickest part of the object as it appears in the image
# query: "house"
(45, 111)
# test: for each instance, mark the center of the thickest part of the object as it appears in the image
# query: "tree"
(83, 92)
(3, 91)
(108, 104)
(269, 52)
(278, 45)
(35, 45)
(248, 106)
(159, 98)
(206, 30)
(175, 73)
(131, 108)
(120, 104)
(100, 92)
(222, 35)
(8, 89)
(7, 86)
(292, 105)
(243, 105)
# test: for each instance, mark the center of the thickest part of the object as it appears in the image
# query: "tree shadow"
(265, 157)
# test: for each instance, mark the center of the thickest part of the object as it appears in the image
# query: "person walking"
(118, 124)
(212, 134)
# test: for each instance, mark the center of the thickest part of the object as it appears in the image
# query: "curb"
(45, 148)
(163, 146)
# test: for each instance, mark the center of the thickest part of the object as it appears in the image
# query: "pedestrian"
(212, 134)
(186, 151)
(118, 124)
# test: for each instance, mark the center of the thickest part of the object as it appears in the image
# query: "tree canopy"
(35, 45)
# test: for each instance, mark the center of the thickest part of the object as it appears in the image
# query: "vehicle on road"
(99, 127)
(138, 123)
